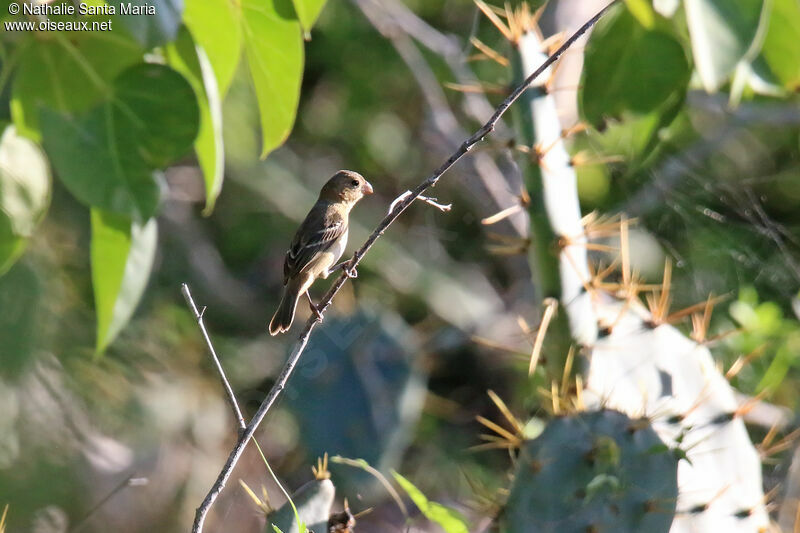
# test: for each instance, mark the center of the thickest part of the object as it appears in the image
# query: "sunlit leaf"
(449, 519)
(643, 11)
(216, 26)
(24, 193)
(721, 33)
(67, 74)
(106, 157)
(781, 50)
(629, 68)
(308, 11)
(122, 256)
(274, 49)
(191, 61)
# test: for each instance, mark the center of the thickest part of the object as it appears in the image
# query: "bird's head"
(345, 186)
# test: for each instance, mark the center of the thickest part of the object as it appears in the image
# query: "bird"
(318, 244)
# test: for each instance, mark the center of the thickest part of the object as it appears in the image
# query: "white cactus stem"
(560, 191)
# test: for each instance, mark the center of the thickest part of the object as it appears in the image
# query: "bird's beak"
(367, 188)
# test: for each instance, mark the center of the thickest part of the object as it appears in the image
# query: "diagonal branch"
(400, 207)
(198, 316)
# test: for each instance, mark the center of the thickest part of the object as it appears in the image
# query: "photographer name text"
(87, 9)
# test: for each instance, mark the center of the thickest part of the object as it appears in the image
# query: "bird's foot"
(351, 273)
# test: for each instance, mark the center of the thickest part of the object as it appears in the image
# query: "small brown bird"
(318, 243)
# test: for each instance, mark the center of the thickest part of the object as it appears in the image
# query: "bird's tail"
(284, 316)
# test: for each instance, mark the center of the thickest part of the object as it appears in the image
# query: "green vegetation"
(187, 146)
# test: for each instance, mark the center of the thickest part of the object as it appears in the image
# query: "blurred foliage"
(114, 117)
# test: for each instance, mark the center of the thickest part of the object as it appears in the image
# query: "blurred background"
(131, 440)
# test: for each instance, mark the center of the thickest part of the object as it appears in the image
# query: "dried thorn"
(488, 51)
(501, 405)
(477, 88)
(488, 343)
(551, 306)
(554, 394)
(264, 505)
(494, 19)
(741, 362)
(501, 215)
(678, 315)
(581, 159)
(567, 371)
(494, 249)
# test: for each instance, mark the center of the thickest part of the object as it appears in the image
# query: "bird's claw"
(351, 273)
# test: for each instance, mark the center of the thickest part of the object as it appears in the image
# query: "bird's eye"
(354, 183)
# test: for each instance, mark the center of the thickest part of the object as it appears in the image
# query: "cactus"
(593, 471)
(313, 502)
(655, 370)
(634, 362)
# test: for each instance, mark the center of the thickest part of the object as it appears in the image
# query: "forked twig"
(302, 341)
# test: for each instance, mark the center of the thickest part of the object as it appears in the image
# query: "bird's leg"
(349, 272)
(314, 308)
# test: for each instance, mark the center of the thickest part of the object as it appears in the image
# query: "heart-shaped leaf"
(216, 26)
(274, 49)
(106, 158)
(308, 11)
(629, 68)
(67, 74)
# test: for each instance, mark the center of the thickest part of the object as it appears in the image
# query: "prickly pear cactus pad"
(313, 502)
(597, 472)
(658, 372)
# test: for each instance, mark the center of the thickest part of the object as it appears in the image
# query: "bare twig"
(198, 315)
(302, 341)
(129, 481)
(427, 199)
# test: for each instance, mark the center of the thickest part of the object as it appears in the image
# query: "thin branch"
(302, 341)
(129, 481)
(198, 315)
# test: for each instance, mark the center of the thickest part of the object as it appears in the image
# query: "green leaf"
(151, 22)
(106, 158)
(780, 50)
(122, 256)
(24, 193)
(643, 11)
(308, 11)
(215, 26)
(158, 102)
(449, 519)
(67, 74)
(274, 49)
(191, 61)
(721, 32)
(629, 68)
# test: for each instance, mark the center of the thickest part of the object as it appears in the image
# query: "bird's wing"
(318, 232)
